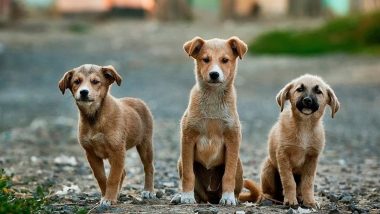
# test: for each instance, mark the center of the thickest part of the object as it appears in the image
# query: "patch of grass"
(79, 27)
(350, 34)
(13, 201)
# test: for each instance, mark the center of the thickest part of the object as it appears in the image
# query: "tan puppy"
(108, 127)
(209, 165)
(295, 143)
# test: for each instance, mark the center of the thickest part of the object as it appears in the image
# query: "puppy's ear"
(332, 101)
(238, 46)
(194, 46)
(64, 83)
(283, 95)
(110, 73)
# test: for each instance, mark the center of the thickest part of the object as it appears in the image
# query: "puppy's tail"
(254, 193)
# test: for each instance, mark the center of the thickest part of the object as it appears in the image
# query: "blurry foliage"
(32, 202)
(350, 34)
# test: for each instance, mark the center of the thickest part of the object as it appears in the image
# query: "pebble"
(266, 203)
(346, 199)
(206, 210)
(159, 194)
(240, 212)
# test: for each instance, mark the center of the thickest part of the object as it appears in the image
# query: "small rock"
(333, 197)
(240, 212)
(346, 199)
(333, 209)
(206, 210)
(266, 203)
(170, 191)
(159, 194)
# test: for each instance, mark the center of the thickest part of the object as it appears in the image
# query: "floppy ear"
(238, 46)
(64, 83)
(194, 46)
(333, 101)
(283, 95)
(110, 73)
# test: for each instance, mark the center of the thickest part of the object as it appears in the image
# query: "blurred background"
(41, 39)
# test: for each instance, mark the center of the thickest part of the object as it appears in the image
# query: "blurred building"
(191, 9)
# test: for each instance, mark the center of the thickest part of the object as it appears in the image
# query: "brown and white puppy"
(108, 127)
(295, 143)
(209, 165)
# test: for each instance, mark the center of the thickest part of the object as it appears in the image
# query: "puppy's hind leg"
(270, 184)
(145, 150)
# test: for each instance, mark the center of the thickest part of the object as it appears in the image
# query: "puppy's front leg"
(232, 141)
(188, 177)
(97, 167)
(287, 179)
(117, 166)
(307, 181)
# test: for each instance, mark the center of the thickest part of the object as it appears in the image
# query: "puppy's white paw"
(228, 198)
(187, 198)
(104, 203)
(148, 195)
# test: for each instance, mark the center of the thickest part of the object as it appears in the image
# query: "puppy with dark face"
(295, 143)
(108, 127)
(209, 165)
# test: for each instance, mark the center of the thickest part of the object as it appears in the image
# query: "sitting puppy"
(108, 127)
(295, 143)
(209, 166)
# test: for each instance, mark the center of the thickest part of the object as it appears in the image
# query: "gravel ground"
(38, 124)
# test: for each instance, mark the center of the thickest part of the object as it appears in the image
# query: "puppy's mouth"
(214, 82)
(84, 100)
(307, 111)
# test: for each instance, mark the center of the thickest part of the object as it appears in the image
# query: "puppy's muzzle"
(84, 96)
(307, 105)
(214, 75)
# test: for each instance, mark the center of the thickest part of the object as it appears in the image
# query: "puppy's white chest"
(210, 151)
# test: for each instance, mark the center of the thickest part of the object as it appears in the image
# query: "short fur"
(209, 165)
(108, 127)
(295, 143)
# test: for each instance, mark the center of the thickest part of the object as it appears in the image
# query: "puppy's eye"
(224, 60)
(317, 91)
(76, 82)
(94, 82)
(300, 89)
(206, 60)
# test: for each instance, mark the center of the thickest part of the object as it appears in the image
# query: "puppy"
(295, 143)
(108, 127)
(209, 166)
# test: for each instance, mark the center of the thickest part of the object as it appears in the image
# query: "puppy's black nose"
(307, 101)
(83, 93)
(214, 75)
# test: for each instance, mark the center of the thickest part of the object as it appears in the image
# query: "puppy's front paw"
(148, 195)
(187, 198)
(228, 198)
(290, 202)
(105, 203)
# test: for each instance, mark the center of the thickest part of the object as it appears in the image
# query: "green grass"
(34, 202)
(353, 34)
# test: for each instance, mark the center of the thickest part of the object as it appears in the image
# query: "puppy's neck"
(93, 112)
(216, 102)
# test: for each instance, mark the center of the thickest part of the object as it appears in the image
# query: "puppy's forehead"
(215, 44)
(310, 80)
(88, 69)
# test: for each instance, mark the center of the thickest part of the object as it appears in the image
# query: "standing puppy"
(209, 165)
(295, 143)
(108, 127)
